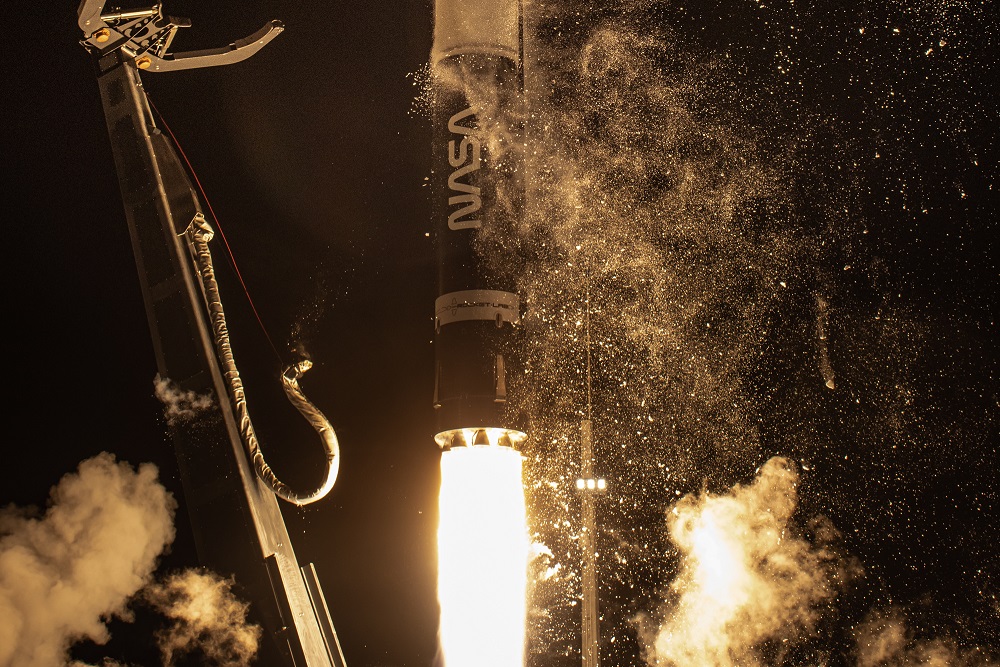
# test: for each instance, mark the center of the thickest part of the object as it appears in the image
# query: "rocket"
(478, 198)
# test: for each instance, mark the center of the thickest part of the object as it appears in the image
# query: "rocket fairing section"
(477, 190)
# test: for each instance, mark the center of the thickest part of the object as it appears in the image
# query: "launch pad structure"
(237, 524)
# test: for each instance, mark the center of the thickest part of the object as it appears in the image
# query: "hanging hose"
(199, 233)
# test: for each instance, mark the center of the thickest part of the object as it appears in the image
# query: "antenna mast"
(589, 486)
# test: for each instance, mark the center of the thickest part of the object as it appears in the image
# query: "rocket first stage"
(478, 194)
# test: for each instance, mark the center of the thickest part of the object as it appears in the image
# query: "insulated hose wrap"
(320, 424)
(199, 233)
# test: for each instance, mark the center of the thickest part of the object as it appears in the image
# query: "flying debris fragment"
(822, 327)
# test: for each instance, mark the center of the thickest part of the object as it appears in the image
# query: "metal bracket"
(145, 36)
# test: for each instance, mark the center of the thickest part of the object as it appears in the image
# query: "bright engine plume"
(482, 554)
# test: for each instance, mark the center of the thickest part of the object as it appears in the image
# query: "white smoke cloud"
(207, 620)
(63, 574)
(179, 406)
(885, 640)
(745, 578)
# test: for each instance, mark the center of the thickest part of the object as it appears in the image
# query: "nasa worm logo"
(465, 159)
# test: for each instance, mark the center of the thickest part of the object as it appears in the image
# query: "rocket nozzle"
(480, 437)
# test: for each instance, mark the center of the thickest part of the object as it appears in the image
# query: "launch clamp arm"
(145, 36)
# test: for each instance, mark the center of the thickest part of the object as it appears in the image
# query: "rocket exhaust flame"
(482, 557)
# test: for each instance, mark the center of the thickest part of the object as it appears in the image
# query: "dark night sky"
(314, 161)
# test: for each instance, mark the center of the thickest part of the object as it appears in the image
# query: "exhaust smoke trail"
(62, 575)
(753, 589)
(483, 553)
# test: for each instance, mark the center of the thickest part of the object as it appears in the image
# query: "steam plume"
(885, 640)
(744, 579)
(179, 406)
(63, 574)
(206, 620)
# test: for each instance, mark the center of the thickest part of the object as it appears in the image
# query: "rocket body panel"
(476, 164)
(478, 196)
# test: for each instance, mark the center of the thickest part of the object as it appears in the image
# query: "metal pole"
(590, 632)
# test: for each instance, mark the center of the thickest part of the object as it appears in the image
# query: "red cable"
(232, 258)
